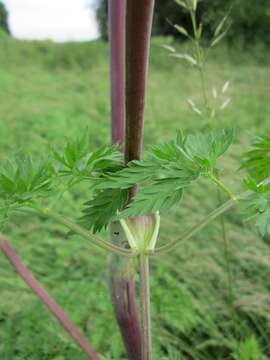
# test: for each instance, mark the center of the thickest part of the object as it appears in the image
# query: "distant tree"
(169, 13)
(250, 20)
(102, 13)
(4, 18)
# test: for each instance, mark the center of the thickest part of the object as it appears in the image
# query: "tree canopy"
(250, 21)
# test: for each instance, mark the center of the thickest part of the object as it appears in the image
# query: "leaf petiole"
(204, 222)
(84, 233)
(222, 186)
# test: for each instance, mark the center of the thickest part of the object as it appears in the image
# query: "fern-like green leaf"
(103, 209)
(135, 173)
(257, 206)
(21, 182)
(205, 149)
(161, 196)
(161, 178)
(257, 160)
(78, 161)
(24, 179)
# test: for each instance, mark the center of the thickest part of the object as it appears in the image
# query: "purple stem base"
(123, 295)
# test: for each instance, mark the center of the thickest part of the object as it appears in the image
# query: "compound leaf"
(103, 209)
(257, 160)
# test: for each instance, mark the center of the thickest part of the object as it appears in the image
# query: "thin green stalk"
(222, 186)
(205, 221)
(84, 233)
(66, 187)
(227, 256)
(200, 60)
(196, 228)
(145, 308)
(230, 276)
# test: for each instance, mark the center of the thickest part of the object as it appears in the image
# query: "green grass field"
(49, 92)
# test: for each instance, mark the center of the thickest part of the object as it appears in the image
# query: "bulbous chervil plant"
(130, 193)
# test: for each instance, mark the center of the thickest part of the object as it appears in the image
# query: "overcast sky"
(58, 20)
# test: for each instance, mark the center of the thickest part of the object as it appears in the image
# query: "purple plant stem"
(124, 297)
(139, 24)
(121, 273)
(45, 298)
(117, 14)
(139, 19)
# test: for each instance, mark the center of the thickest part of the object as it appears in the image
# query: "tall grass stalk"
(211, 116)
(210, 113)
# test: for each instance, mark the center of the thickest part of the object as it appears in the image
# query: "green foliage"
(165, 190)
(178, 165)
(257, 164)
(205, 149)
(260, 212)
(102, 210)
(257, 160)
(55, 100)
(257, 207)
(250, 21)
(249, 349)
(184, 320)
(79, 162)
(4, 18)
(25, 178)
(160, 196)
(136, 172)
(29, 179)
(170, 168)
(23, 181)
(102, 16)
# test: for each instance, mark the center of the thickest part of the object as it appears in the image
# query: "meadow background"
(49, 92)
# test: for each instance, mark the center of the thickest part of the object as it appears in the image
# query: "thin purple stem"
(45, 298)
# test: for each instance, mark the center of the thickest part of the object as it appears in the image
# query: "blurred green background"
(49, 92)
